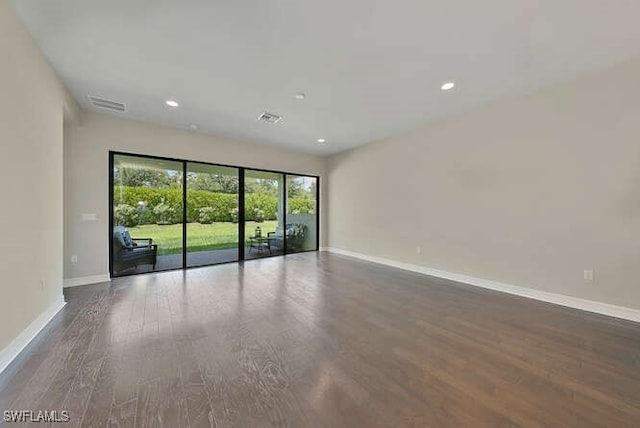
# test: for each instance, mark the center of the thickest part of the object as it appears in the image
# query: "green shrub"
(165, 214)
(234, 215)
(258, 215)
(258, 206)
(150, 198)
(125, 215)
(222, 202)
(267, 206)
(207, 215)
(302, 206)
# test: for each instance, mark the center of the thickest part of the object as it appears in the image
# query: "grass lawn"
(200, 237)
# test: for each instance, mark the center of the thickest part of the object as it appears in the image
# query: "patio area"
(204, 258)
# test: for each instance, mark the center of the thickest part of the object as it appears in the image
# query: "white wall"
(528, 191)
(31, 133)
(86, 179)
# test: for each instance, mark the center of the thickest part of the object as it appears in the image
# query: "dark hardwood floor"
(323, 340)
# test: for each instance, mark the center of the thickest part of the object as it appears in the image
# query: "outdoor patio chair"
(295, 237)
(130, 252)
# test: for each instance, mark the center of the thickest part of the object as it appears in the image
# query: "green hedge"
(171, 196)
(302, 206)
(222, 203)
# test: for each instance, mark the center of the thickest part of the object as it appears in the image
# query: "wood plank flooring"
(320, 340)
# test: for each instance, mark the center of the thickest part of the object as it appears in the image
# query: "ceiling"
(370, 69)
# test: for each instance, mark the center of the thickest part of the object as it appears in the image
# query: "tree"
(296, 189)
(302, 187)
(228, 183)
(142, 177)
(313, 189)
(213, 182)
(262, 185)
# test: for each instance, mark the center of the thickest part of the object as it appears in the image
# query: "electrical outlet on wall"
(74, 259)
(418, 250)
(588, 275)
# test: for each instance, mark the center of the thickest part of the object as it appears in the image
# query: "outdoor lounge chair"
(130, 252)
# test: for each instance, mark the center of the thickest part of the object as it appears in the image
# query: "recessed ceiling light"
(448, 85)
(300, 96)
(321, 140)
(172, 103)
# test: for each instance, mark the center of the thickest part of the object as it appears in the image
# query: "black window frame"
(241, 211)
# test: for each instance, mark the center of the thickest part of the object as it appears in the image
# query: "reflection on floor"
(321, 340)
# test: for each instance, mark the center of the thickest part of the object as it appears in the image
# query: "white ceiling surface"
(370, 68)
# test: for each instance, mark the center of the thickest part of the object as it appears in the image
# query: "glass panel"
(263, 214)
(302, 213)
(147, 214)
(212, 214)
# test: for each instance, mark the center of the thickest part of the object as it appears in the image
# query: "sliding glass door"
(264, 213)
(147, 214)
(173, 214)
(302, 213)
(212, 214)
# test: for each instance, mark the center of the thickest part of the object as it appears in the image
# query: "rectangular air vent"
(107, 104)
(269, 117)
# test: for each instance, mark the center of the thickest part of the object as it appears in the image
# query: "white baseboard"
(545, 296)
(86, 280)
(16, 346)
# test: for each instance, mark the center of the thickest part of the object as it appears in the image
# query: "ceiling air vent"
(269, 117)
(107, 104)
